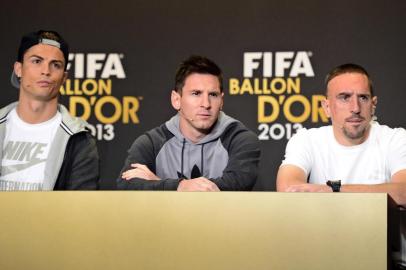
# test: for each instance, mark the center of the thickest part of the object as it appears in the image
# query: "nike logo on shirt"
(19, 167)
(22, 151)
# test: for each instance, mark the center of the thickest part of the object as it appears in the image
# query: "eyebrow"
(345, 93)
(42, 58)
(210, 91)
(352, 94)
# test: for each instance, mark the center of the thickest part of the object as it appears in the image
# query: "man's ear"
(175, 100)
(222, 101)
(17, 69)
(374, 103)
(326, 107)
(65, 76)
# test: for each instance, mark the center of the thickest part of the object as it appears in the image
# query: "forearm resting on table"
(292, 178)
(289, 175)
(396, 190)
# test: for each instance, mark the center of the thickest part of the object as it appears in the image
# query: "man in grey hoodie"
(198, 149)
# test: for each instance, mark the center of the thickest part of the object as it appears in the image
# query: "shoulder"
(154, 138)
(71, 124)
(236, 138)
(237, 130)
(160, 133)
(6, 110)
(383, 133)
(386, 130)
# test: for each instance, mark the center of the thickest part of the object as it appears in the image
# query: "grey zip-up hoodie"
(73, 161)
(228, 156)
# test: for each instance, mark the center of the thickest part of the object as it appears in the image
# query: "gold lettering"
(130, 108)
(262, 102)
(288, 105)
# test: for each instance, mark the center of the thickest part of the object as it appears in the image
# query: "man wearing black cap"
(42, 147)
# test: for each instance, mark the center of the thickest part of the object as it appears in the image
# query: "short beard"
(355, 135)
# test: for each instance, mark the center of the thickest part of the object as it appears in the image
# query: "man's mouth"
(44, 83)
(203, 114)
(355, 121)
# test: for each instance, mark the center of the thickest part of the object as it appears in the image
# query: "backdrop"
(274, 54)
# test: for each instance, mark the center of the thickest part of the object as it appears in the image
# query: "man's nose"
(45, 69)
(205, 101)
(355, 105)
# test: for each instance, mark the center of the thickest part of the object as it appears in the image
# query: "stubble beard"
(355, 135)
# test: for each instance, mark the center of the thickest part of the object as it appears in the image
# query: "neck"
(193, 135)
(34, 112)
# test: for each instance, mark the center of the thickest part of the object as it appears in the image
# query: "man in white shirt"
(364, 155)
(354, 153)
(42, 147)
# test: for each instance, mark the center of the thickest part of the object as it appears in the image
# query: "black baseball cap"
(40, 37)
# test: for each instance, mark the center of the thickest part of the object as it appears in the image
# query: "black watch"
(334, 184)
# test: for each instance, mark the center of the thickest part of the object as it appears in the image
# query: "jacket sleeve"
(143, 151)
(242, 168)
(80, 169)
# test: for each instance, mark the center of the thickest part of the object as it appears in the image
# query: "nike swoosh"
(19, 167)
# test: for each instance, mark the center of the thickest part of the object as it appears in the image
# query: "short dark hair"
(197, 64)
(348, 68)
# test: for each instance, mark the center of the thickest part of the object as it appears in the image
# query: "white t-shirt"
(25, 151)
(383, 154)
(318, 153)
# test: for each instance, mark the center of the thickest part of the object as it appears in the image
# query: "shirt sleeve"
(298, 151)
(142, 151)
(397, 153)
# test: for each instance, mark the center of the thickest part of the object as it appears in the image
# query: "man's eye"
(214, 94)
(364, 98)
(195, 93)
(35, 61)
(57, 65)
(344, 97)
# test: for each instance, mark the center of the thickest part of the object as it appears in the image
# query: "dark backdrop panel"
(135, 46)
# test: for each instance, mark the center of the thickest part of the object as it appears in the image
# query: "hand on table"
(139, 171)
(197, 184)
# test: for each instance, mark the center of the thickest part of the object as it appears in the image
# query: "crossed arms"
(240, 172)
